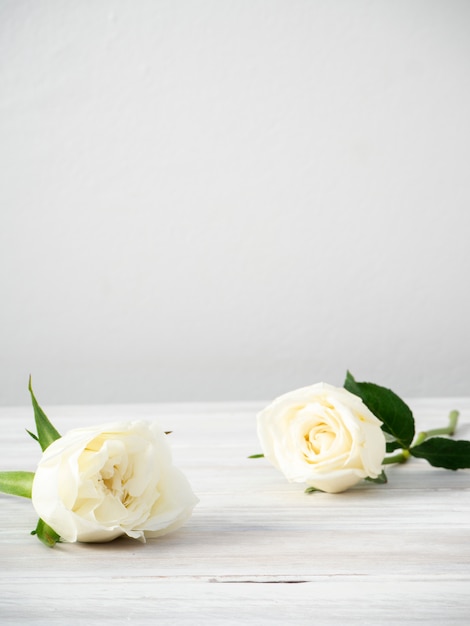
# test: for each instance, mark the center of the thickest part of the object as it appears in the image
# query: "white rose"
(95, 484)
(323, 436)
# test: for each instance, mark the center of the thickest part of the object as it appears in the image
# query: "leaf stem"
(401, 457)
(447, 430)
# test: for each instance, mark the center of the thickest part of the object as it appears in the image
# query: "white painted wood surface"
(257, 549)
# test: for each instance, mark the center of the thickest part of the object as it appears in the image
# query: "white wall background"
(223, 200)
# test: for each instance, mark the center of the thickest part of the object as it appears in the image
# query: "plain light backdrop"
(225, 200)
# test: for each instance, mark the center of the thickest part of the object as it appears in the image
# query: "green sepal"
(17, 483)
(313, 490)
(46, 431)
(441, 452)
(32, 435)
(46, 534)
(381, 479)
(256, 456)
(395, 415)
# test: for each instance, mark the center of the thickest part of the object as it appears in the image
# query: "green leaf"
(256, 456)
(392, 445)
(46, 534)
(442, 452)
(380, 480)
(17, 483)
(312, 490)
(395, 415)
(46, 431)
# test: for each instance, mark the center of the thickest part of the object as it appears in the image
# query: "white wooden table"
(257, 549)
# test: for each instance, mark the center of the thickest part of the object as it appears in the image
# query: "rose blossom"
(323, 436)
(95, 484)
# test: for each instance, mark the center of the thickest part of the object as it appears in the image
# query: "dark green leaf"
(256, 456)
(312, 490)
(380, 480)
(395, 415)
(17, 483)
(442, 452)
(46, 534)
(392, 445)
(46, 431)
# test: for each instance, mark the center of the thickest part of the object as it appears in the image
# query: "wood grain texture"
(257, 549)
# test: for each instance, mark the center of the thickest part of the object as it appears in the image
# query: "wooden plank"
(324, 602)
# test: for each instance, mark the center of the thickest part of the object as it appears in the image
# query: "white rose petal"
(323, 436)
(95, 484)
